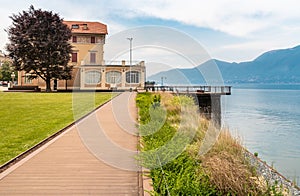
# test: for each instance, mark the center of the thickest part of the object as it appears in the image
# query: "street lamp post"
(130, 51)
(13, 78)
(130, 40)
(162, 80)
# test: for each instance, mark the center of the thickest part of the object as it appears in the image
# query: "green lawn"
(28, 118)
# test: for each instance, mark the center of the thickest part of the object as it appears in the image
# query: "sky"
(231, 30)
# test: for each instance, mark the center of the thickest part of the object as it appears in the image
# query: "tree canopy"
(5, 71)
(39, 45)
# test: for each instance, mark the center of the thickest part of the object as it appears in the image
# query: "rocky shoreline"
(272, 176)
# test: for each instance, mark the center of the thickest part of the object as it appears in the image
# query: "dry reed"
(228, 168)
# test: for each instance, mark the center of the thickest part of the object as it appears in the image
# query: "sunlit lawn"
(28, 118)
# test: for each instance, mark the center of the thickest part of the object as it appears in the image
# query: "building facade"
(89, 69)
(3, 58)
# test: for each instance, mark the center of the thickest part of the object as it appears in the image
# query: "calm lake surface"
(267, 119)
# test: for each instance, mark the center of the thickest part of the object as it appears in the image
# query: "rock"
(271, 176)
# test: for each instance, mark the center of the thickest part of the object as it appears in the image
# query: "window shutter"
(74, 39)
(74, 57)
(93, 57)
(93, 40)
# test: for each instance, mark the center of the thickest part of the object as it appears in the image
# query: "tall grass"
(173, 170)
(222, 171)
(228, 169)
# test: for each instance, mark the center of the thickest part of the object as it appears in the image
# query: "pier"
(208, 98)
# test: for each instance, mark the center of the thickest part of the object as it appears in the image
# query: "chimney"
(85, 27)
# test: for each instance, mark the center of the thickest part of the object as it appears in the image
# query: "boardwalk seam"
(26, 153)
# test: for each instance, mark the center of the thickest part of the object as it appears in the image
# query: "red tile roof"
(86, 27)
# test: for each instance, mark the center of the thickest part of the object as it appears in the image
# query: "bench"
(25, 88)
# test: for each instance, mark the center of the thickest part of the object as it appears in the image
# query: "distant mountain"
(277, 66)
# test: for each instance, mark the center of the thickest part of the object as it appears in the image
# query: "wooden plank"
(67, 167)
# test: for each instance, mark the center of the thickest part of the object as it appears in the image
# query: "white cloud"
(264, 25)
(258, 25)
(91, 10)
(235, 17)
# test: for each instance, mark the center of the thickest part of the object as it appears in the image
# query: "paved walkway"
(77, 163)
(3, 88)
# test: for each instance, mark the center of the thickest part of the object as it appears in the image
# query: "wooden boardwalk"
(65, 166)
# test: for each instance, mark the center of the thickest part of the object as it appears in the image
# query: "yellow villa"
(89, 69)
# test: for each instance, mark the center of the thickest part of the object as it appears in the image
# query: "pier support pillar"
(210, 107)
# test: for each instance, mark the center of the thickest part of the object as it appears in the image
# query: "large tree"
(39, 45)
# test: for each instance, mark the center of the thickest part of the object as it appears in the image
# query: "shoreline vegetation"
(224, 170)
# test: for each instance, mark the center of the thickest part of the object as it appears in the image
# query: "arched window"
(92, 77)
(133, 77)
(113, 77)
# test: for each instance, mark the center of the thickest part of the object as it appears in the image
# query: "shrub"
(173, 170)
(172, 135)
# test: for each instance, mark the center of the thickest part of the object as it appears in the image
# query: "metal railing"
(223, 90)
(120, 63)
(86, 62)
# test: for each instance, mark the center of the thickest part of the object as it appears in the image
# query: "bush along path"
(172, 132)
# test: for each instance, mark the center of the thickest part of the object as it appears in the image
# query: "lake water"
(267, 118)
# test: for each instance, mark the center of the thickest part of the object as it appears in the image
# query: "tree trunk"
(48, 85)
(66, 85)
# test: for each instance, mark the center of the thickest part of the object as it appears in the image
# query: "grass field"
(28, 118)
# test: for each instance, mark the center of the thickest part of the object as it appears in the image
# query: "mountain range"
(276, 66)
